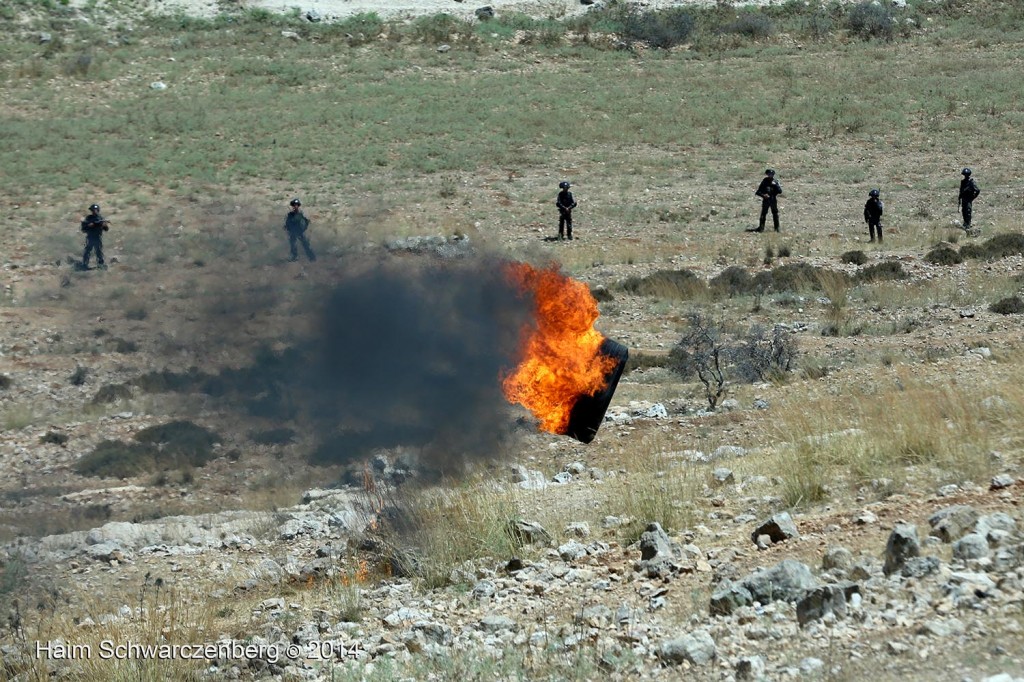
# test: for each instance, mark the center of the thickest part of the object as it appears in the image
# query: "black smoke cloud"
(410, 352)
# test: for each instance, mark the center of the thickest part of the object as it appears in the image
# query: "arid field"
(309, 471)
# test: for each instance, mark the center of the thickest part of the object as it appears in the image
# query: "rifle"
(105, 224)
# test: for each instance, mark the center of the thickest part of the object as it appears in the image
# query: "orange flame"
(360, 575)
(561, 361)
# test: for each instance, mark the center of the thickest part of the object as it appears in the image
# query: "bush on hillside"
(753, 25)
(765, 355)
(886, 270)
(944, 255)
(1000, 246)
(114, 459)
(181, 440)
(733, 281)
(788, 277)
(1012, 305)
(111, 393)
(175, 445)
(680, 284)
(854, 257)
(663, 29)
(871, 21)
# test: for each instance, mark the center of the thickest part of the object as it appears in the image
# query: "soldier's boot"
(568, 232)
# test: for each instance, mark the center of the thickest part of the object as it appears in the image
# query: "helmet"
(94, 207)
(770, 171)
(564, 184)
(965, 171)
(295, 202)
(873, 193)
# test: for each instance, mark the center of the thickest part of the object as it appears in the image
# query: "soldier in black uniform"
(295, 223)
(968, 193)
(873, 214)
(94, 225)
(769, 190)
(565, 204)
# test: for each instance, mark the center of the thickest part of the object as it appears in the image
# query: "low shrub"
(136, 312)
(115, 459)
(111, 393)
(1012, 305)
(886, 270)
(440, 28)
(79, 65)
(818, 26)
(766, 355)
(681, 284)
(871, 21)
(944, 255)
(854, 257)
(814, 368)
(661, 29)
(119, 345)
(14, 574)
(788, 277)
(166, 381)
(733, 281)
(78, 377)
(361, 28)
(5, 382)
(175, 445)
(54, 437)
(753, 25)
(1000, 246)
(183, 440)
(642, 360)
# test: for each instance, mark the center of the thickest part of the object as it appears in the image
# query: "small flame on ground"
(560, 352)
(360, 575)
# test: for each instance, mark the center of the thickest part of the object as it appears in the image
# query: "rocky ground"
(923, 581)
(272, 568)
